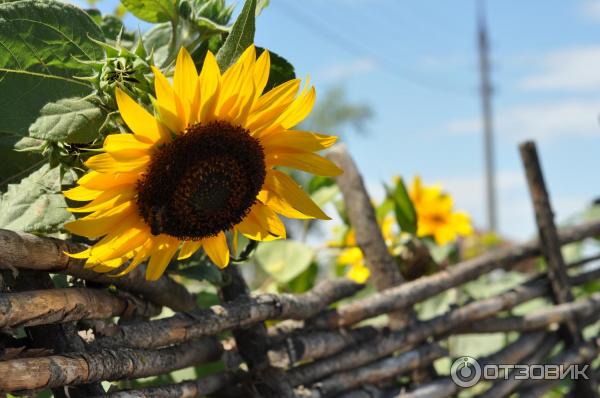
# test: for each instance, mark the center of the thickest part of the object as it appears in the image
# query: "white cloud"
(571, 69)
(545, 121)
(344, 70)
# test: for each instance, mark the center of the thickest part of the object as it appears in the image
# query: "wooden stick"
(106, 364)
(19, 250)
(238, 314)
(310, 345)
(66, 305)
(187, 389)
(513, 353)
(252, 344)
(383, 267)
(377, 371)
(551, 249)
(584, 353)
(584, 310)
(56, 339)
(506, 384)
(414, 333)
(407, 294)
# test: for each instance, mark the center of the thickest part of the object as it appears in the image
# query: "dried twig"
(252, 344)
(584, 310)
(407, 294)
(377, 371)
(105, 364)
(513, 353)
(551, 248)
(238, 314)
(19, 250)
(187, 389)
(65, 305)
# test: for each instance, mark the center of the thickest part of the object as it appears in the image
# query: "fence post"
(382, 266)
(551, 250)
(253, 344)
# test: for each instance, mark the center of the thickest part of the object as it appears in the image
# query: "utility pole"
(486, 115)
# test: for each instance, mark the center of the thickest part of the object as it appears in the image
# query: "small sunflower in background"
(435, 214)
(201, 166)
(352, 257)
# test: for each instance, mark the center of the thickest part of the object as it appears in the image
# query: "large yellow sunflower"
(203, 164)
(435, 214)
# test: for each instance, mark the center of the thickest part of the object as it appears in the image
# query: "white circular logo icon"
(465, 372)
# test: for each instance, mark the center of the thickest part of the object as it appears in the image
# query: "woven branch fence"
(315, 349)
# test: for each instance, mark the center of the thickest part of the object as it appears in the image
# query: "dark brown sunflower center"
(203, 182)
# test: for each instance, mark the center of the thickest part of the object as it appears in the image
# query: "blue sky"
(415, 63)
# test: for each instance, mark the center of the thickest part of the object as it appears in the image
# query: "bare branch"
(105, 364)
(65, 305)
(377, 371)
(241, 313)
(407, 294)
(19, 250)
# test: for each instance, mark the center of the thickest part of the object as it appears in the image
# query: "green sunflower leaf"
(405, 212)
(17, 161)
(36, 204)
(41, 44)
(72, 120)
(240, 38)
(152, 10)
(284, 259)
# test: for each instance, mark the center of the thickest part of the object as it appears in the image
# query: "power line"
(300, 16)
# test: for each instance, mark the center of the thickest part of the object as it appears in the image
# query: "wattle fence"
(101, 328)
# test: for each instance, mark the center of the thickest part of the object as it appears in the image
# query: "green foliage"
(240, 38)
(405, 213)
(152, 10)
(15, 163)
(284, 259)
(42, 42)
(71, 120)
(36, 204)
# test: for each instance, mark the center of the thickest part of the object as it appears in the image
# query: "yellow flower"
(435, 215)
(202, 165)
(352, 256)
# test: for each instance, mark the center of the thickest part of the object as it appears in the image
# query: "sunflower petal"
(209, 83)
(125, 142)
(102, 181)
(299, 109)
(284, 194)
(216, 248)
(188, 248)
(184, 81)
(143, 124)
(82, 194)
(261, 72)
(94, 226)
(169, 105)
(297, 141)
(108, 163)
(139, 257)
(305, 161)
(107, 200)
(162, 254)
(262, 224)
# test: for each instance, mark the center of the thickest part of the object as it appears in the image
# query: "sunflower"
(435, 214)
(205, 163)
(352, 256)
